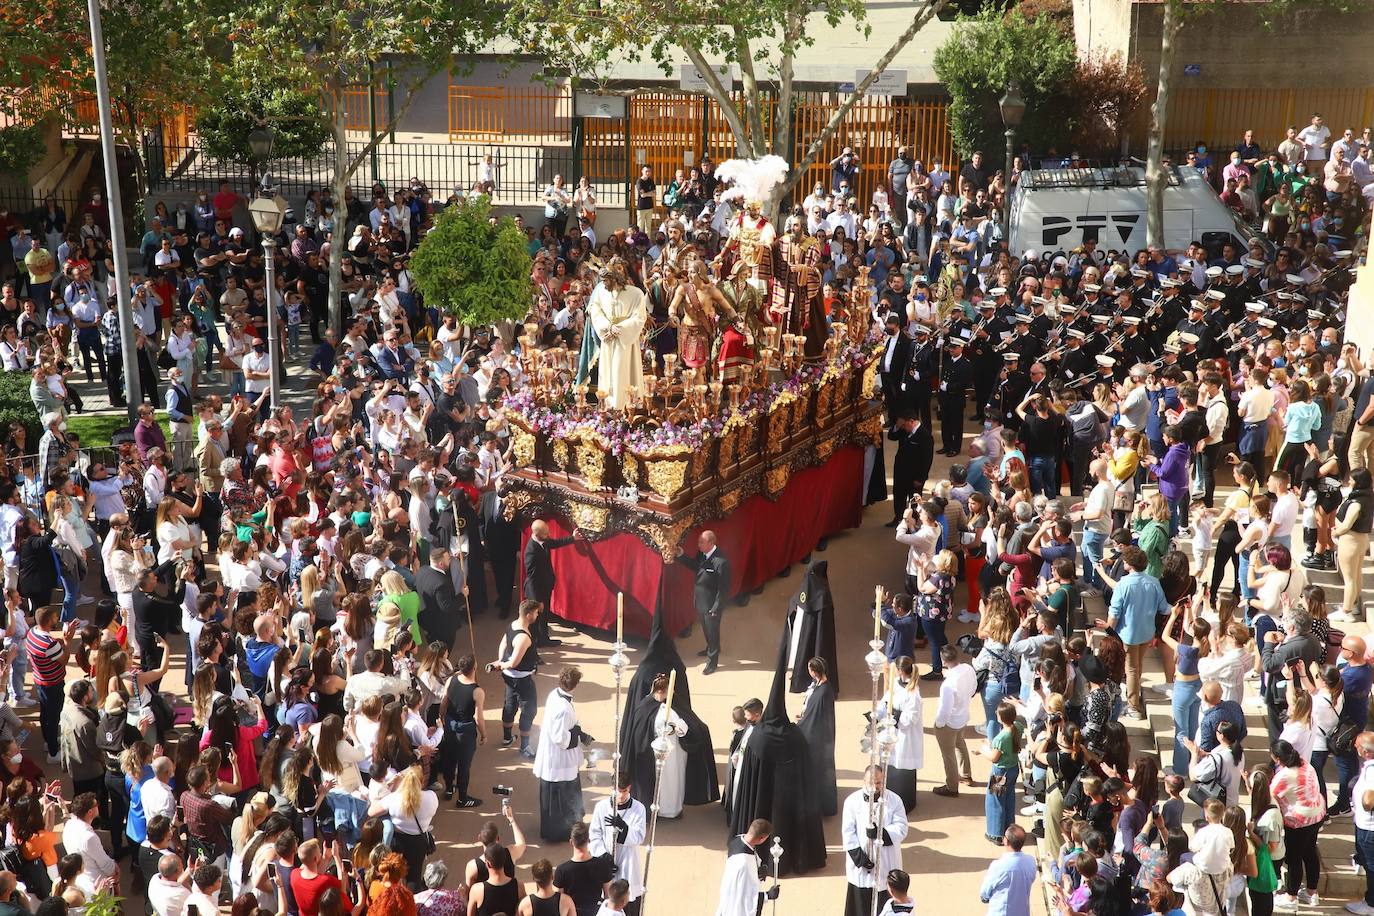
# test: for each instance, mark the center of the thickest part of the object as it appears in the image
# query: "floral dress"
(936, 605)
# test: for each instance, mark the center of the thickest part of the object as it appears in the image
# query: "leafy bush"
(1101, 100)
(21, 148)
(298, 123)
(980, 59)
(17, 407)
(472, 268)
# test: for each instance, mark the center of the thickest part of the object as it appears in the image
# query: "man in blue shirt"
(1356, 676)
(1215, 711)
(1007, 885)
(1136, 601)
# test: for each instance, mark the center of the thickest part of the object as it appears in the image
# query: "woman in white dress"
(908, 755)
(673, 780)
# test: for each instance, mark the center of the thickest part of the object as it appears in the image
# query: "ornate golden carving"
(871, 429)
(823, 399)
(667, 537)
(591, 518)
(824, 446)
(778, 420)
(560, 453)
(666, 476)
(728, 501)
(870, 383)
(591, 461)
(777, 478)
(514, 502)
(701, 459)
(522, 446)
(629, 469)
(727, 449)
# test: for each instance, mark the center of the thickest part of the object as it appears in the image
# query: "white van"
(1058, 209)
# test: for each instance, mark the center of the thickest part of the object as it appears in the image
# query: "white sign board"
(689, 78)
(889, 82)
(594, 105)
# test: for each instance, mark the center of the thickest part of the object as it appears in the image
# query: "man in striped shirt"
(47, 649)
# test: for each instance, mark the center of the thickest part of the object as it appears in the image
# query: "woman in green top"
(1151, 527)
(395, 592)
(999, 808)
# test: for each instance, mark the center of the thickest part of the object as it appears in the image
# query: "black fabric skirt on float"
(903, 782)
(560, 806)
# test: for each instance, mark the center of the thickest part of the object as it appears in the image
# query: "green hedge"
(16, 406)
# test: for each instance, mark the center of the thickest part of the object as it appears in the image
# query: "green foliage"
(21, 148)
(17, 407)
(473, 269)
(105, 904)
(978, 61)
(248, 102)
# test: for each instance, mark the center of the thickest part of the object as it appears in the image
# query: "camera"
(503, 791)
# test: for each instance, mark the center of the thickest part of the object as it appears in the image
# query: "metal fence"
(522, 170)
(27, 206)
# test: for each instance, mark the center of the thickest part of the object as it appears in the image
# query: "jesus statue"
(616, 313)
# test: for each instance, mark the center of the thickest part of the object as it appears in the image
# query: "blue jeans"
(992, 696)
(71, 591)
(1093, 542)
(51, 698)
(1044, 475)
(1364, 855)
(1176, 510)
(1186, 704)
(1246, 592)
(236, 384)
(999, 811)
(935, 632)
(18, 669)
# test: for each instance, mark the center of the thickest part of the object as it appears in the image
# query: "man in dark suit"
(539, 576)
(956, 378)
(893, 365)
(439, 601)
(711, 590)
(911, 465)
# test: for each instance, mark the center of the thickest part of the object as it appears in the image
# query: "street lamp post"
(1013, 110)
(268, 213)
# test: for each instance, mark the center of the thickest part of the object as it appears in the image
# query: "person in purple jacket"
(1172, 473)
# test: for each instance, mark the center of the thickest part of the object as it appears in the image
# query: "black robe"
(776, 782)
(817, 624)
(637, 725)
(818, 725)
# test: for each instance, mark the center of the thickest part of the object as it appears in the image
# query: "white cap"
(1189, 338)
(1132, 320)
(1106, 362)
(1285, 296)
(1299, 297)
(955, 342)
(1255, 307)
(1031, 255)
(1101, 319)
(1215, 294)
(1235, 270)
(1267, 322)
(1343, 253)
(1076, 334)
(1171, 348)
(1092, 288)
(997, 291)
(1140, 273)
(1214, 272)
(236, 231)
(1315, 315)
(1068, 309)
(1170, 283)
(1197, 304)
(922, 329)
(1294, 279)
(1039, 300)
(1252, 263)
(1011, 356)
(1021, 319)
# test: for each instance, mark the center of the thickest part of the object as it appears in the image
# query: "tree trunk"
(340, 235)
(1156, 179)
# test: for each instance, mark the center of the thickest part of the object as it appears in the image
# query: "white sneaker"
(85, 599)
(1033, 809)
(1285, 902)
(54, 758)
(1359, 908)
(1255, 701)
(1089, 593)
(967, 617)
(24, 701)
(1133, 713)
(1252, 675)
(1309, 898)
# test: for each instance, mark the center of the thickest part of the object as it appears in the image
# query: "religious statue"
(740, 333)
(697, 303)
(616, 314)
(798, 306)
(671, 255)
(752, 236)
(662, 334)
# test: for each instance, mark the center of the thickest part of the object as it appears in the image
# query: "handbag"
(1341, 738)
(226, 363)
(1204, 791)
(430, 846)
(997, 785)
(165, 359)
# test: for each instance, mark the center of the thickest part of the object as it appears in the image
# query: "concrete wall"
(428, 114)
(1311, 49)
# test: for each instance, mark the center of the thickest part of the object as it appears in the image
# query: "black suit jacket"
(439, 603)
(712, 587)
(901, 355)
(539, 577)
(915, 453)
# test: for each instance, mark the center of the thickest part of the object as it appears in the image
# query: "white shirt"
(554, 761)
(956, 692)
(1284, 514)
(254, 361)
(1365, 783)
(158, 799)
(1314, 141)
(78, 837)
(167, 898)
(1256, 404)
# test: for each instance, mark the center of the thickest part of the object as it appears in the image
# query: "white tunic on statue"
(620, 364)
(674, 777)
(854, 835)
(554, 761)
(627, 854)
(910, 752)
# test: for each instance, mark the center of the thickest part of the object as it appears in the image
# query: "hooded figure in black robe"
(776, 782)
(637, 724)
(811, 628)
(817, 723)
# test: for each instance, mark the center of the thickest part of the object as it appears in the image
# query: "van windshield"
(1250, 235)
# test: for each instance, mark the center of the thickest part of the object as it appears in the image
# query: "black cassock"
(813, 630)
(818, 725)
(777, 782)
(637, 724)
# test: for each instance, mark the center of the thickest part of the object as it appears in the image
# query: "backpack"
(32, 872)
